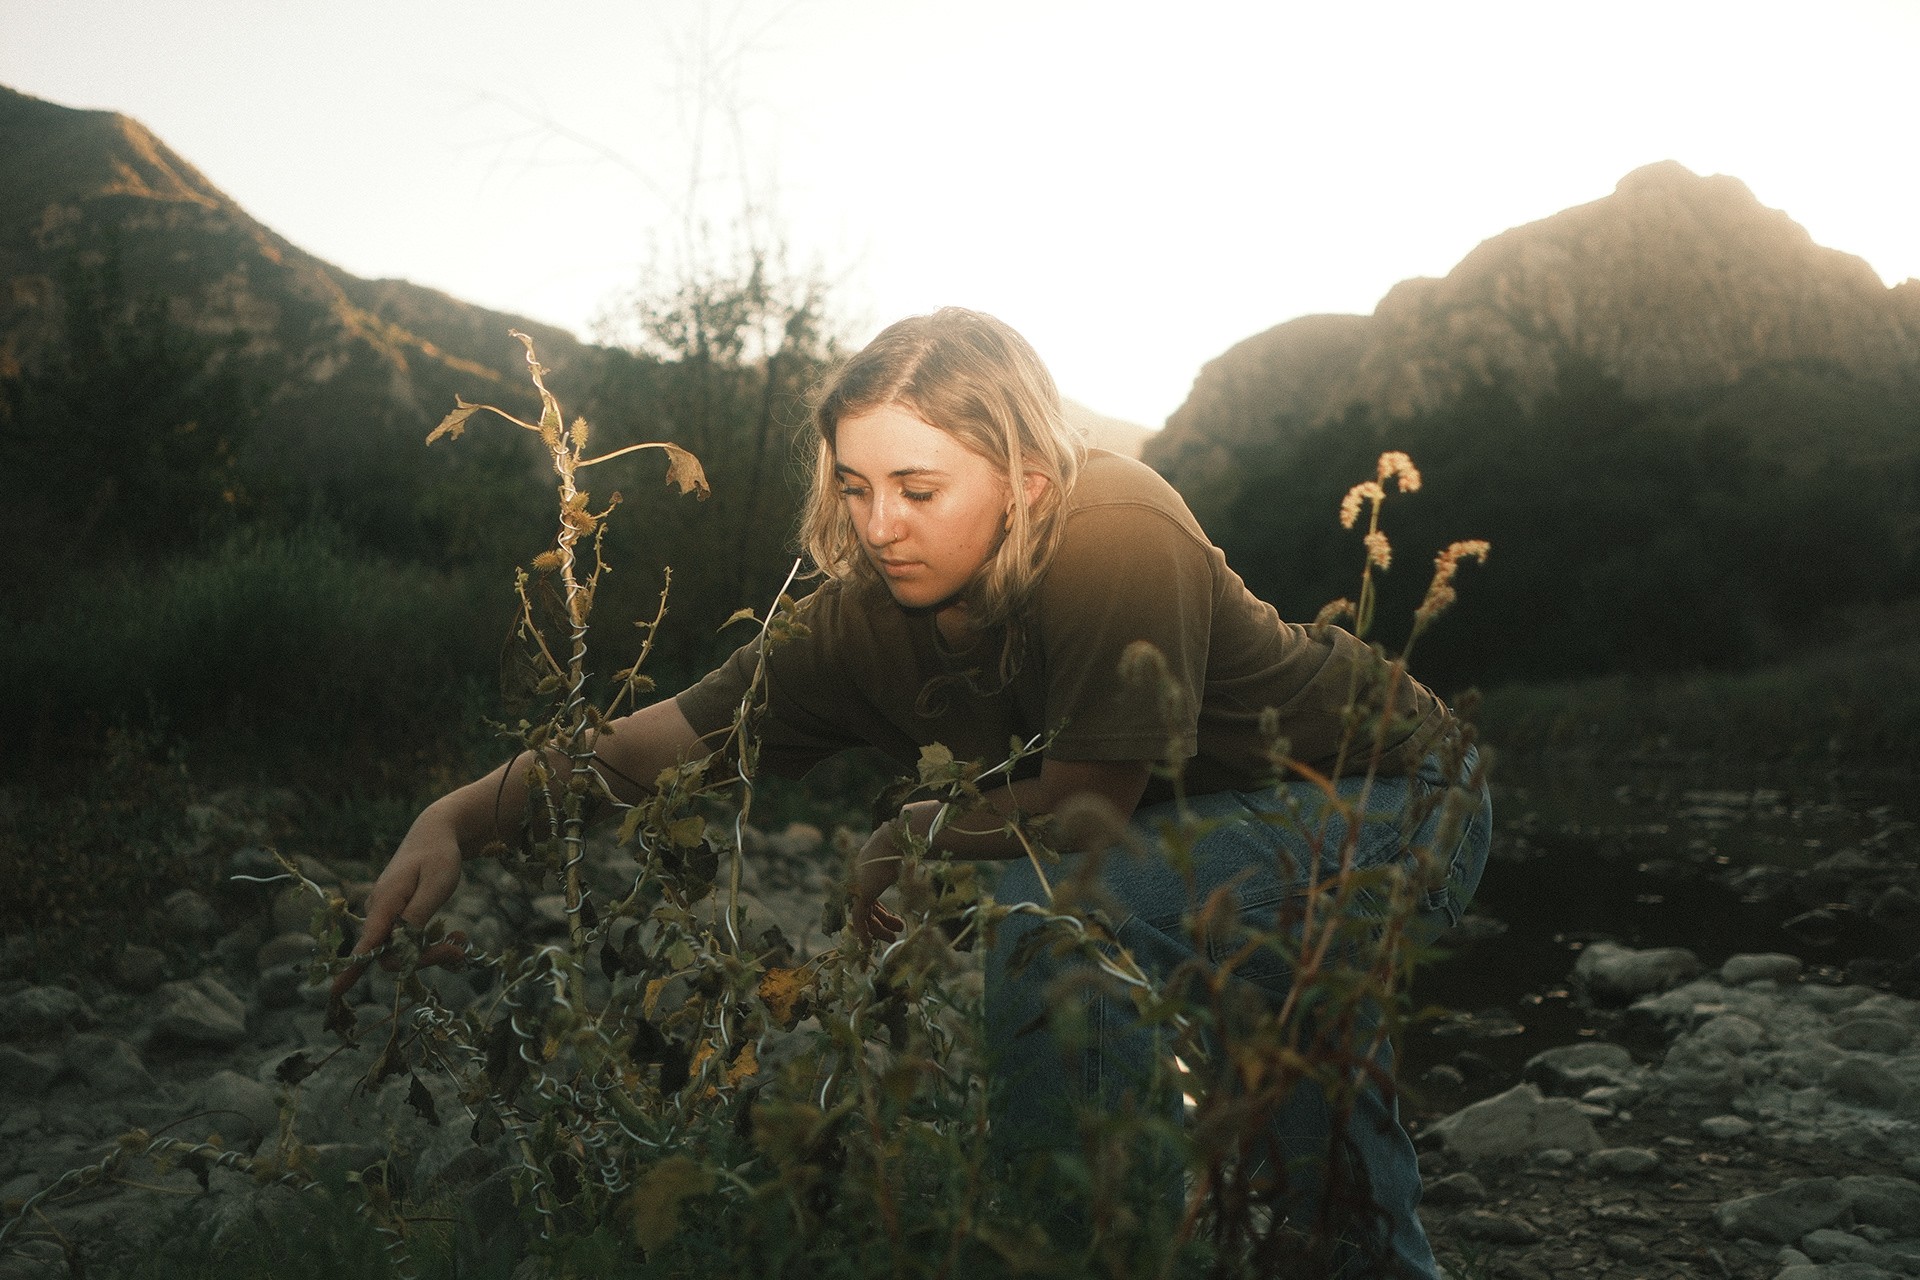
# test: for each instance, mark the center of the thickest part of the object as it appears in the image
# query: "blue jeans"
(1043, 1072)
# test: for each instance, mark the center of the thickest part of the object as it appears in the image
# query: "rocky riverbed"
(1753, 1114)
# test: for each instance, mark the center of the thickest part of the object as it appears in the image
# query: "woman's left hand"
(878, 868)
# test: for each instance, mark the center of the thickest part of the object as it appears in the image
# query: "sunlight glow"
(1135, 191)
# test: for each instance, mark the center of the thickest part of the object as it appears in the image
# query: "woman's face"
(929, 511)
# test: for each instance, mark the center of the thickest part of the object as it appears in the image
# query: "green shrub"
(277, 639)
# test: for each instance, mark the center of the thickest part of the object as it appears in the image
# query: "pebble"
(1498, 1228)
(1624, 1161)
(1769, 966)
(1726, 1126)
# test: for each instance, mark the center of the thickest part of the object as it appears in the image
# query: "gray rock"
(24, 1074)
(337, 1159)
(1515, 1123)
(1612, 972)
(35, 1012)
(549, 914)
(1455, 1188)
(242, 1111)
(1883, 1201)
(799, 840)
(292, 910)
(1703, 1067)
(1867, 1082)
(1498, 1228)
(1872, 1035)
(1896, 908)
(1771, 966)
(1573, 1069)
(236, 950)
(1623, 1161)
(139, 969)
(189, 917)
(280, 986)
(1836, 1271)
(200, 1012)
(1613, 1098)
(1732, 1032)
(286, 948)
(35, 1260)
(1830, 1000)
(1829, 1245)
(1783, 1216)
(1726, 1126)
(109, 1066)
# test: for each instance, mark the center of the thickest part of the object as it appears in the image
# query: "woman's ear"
(1036, 484)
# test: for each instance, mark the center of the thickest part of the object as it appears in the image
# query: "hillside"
(1675, 284)
(94, 190)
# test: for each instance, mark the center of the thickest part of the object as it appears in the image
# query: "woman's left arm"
(1101, 796)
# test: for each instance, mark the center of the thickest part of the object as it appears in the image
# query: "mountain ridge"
(1674, 283)
(99, 184)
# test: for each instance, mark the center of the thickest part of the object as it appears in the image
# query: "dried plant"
(642, 1079)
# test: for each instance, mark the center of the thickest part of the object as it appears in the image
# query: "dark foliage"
(1628, 536)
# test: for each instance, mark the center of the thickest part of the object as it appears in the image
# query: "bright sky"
(1136, 186)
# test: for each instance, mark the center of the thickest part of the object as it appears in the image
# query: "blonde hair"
(973, 377)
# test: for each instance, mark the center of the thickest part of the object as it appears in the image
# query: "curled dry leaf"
(684, 469)
(456, 422)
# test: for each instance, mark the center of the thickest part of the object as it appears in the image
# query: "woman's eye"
(912, 496)
(849, 491)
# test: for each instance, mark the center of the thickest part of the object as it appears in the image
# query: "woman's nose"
(883, 522)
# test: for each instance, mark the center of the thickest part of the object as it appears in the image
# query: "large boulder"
(32, 1013)
(200, 1012)
(1516, 1123)
(1611, 973)
(1785, 1215)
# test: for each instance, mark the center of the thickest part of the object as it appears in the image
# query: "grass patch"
(1857, 696)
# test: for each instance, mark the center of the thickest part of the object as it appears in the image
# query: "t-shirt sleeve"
(794, 735)
(1125, 574)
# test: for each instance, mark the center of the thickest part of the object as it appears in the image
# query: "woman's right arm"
(425, 869)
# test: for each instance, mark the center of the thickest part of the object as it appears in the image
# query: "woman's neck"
(951, 622)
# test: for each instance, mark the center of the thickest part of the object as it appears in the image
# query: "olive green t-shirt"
(1132, 566)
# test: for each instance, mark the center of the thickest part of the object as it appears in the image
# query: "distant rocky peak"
(1675, 282)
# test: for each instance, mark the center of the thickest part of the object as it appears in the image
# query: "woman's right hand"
(422, 874)
(425, 869)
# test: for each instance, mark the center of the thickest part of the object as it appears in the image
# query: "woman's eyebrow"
(900, 473)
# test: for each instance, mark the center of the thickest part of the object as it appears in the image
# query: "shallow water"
(1640, 854)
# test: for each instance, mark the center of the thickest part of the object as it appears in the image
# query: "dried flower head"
(1394, 463)
(1335, 611)
(1440, 592)
(1379, 552)
(1366, 490)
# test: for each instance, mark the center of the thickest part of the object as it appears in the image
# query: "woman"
(986, 574)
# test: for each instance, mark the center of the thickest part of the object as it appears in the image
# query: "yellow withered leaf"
(782, 991)
(454, 423)
(744, 1067)
(684, 469)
